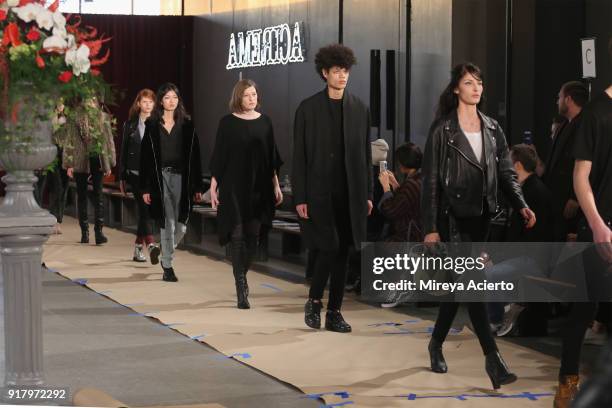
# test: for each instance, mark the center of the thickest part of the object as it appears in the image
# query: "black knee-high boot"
(251, 252)
(239, 260)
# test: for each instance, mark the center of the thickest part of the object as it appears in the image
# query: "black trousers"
(56, 184)
(144, 234)
(473, 229)
(96, 198)
(582, 314)
(332, 264)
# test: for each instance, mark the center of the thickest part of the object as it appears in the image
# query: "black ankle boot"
(169, 275)
(438, 364)
(84, 235)
(312, 314)
(336, 323)
(100, 237)
(498, 370)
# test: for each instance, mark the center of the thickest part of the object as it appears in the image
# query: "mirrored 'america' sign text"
(275, 45)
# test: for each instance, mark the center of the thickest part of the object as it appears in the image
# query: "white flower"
(59, 20)
(78, 59)
(44, 19)
(12, 3)
(55, 42)
(71, 41)
(28, 12)
(60, 32)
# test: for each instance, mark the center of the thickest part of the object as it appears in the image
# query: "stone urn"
(24, 228)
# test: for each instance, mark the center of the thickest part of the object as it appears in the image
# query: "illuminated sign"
(275, 45)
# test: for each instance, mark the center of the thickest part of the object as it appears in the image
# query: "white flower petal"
(44, 19)
(55, 42)
(59, 20)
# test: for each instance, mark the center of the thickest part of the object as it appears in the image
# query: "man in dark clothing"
(593, 187)
(560, 162)
(331, 142)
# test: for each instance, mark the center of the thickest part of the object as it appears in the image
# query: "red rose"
(33, 35)
(65, 76)
(40, 61)
(2, 15)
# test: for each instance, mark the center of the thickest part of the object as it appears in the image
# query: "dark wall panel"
(282, 88)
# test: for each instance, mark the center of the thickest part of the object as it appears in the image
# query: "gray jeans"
(173, 231)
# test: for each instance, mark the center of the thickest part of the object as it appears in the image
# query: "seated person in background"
(400, 203)
(537, 195)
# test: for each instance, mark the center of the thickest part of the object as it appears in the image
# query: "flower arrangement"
(45, 57)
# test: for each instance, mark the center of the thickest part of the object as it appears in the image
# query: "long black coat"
(312, 168)
(150, 176)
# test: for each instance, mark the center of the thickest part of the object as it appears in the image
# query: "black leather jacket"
(130, 148)
(455, 183)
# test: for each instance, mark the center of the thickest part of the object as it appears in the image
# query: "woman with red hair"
(133, 132)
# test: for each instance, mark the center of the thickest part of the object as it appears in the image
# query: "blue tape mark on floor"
(52, 270)
(427, 330)
(412, 321)
(103, 292)
(145, 314)
(133, 304)
(338, 404)
(198, 337)
(81, 281)
(341, 394)
(384, 324)
(269, 286)
(464, 397)
(241, 355)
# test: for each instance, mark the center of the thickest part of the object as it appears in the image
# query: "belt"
(173, 170)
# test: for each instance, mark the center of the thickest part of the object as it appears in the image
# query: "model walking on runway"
(170, 174)
(332, 181)
(133, 132)
(244, 186)
(466, 158)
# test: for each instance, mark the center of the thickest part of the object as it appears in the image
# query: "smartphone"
(382, 165)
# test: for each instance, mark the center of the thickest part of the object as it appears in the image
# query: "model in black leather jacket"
(455, 183)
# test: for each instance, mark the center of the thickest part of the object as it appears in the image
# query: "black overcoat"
(150, 177)
(312, 166)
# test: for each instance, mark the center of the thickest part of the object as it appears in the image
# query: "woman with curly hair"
(332, 180)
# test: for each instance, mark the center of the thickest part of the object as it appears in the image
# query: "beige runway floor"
(382, 363)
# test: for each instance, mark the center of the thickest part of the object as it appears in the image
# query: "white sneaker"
(595, 339)
(511, 315)
(396, 299)
(139, 255)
